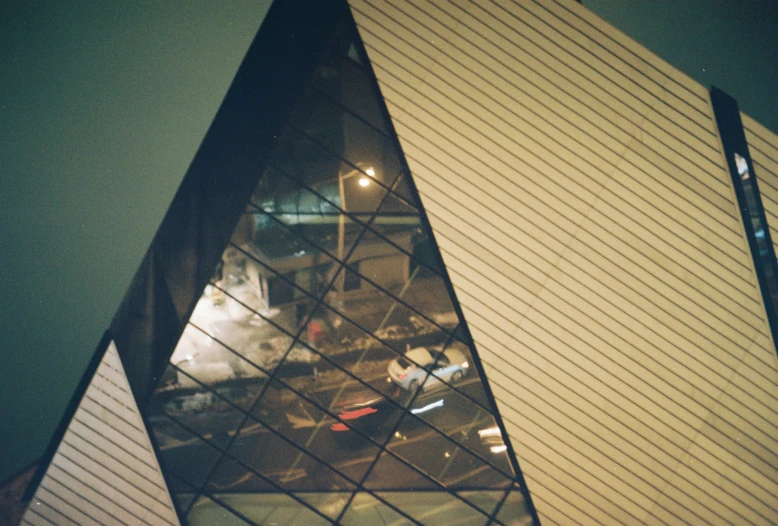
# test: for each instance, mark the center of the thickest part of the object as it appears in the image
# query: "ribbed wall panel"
(104, 470)
(577, 190)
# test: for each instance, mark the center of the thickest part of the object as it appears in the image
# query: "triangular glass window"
(325, 375)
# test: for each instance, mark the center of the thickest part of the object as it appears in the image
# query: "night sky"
(102, 107)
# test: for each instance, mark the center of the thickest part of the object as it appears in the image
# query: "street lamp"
(364, 182)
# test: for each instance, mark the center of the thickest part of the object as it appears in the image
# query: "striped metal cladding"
(578, 192)
(105, 470)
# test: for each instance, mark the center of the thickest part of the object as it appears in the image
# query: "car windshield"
(402, 362)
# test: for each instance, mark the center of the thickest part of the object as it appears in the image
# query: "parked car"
(428, 368)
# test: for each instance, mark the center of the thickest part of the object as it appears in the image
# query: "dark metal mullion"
(224, 454)
(197, 493)
(365, 384)
(392, 296)
(339, 104)
(384, 447)
(295, 445)
(358, 326)
(513, 459)
(321, 302)
(295, 340)
(346, 161)
(333, 415)
(493, 517)
(353, 217)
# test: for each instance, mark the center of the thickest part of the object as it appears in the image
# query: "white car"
(427, 367)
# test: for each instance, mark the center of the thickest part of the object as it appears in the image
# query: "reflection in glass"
(273, 508)
(441, 458)
(366, 509)
(344, 81)
(317, 431)
(183, 453)
(325, 357)
(435, 507)
(348, 137)
(288, 466)
(206, 512)
(356, 187)
(515, 511)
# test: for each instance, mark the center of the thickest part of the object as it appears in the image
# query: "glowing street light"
(363, 182)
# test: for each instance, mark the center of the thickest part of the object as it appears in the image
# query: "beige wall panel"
(616, 79)
(105, 470)
(623, 46)
(95, 495)
(682, 190)
(617, 48)
(70, 511)
(577, 193)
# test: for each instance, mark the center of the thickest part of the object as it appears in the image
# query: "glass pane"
(230, 476)
(183, 493)
(434, 507)
(346, 136)
(486, 501)
(402, 188)
(343, 80)
(208, 413)
(434, 369)
(372, 309)
(355, 350)
(182, 453)
(329, 503)
(366, 509)
(212, 364)
(441, 458)
(312, 428)
(357, 188)
(206, 512)
(224, 321)
(462, 420)
(285, 464)
(398, 207)
(272, 508)
(390, 473)
(288, 248)
(407, 233)
(386, 261)
(514, 511)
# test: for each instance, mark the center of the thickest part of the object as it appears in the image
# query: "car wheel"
(413, 386)
(457, 376)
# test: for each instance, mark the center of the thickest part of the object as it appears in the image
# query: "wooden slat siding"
(578, 195)
(105, 470)
(763, 147)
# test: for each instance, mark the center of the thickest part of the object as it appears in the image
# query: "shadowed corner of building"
(12, 505)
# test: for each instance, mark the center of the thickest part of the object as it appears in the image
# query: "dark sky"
(102, 107)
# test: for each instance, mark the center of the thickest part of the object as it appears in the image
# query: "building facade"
(444, 263)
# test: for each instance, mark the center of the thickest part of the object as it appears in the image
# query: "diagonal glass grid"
(323, 372)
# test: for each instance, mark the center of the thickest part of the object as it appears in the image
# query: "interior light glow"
(370, 172)
(364, 181)
(489, 432)
(498, 449)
